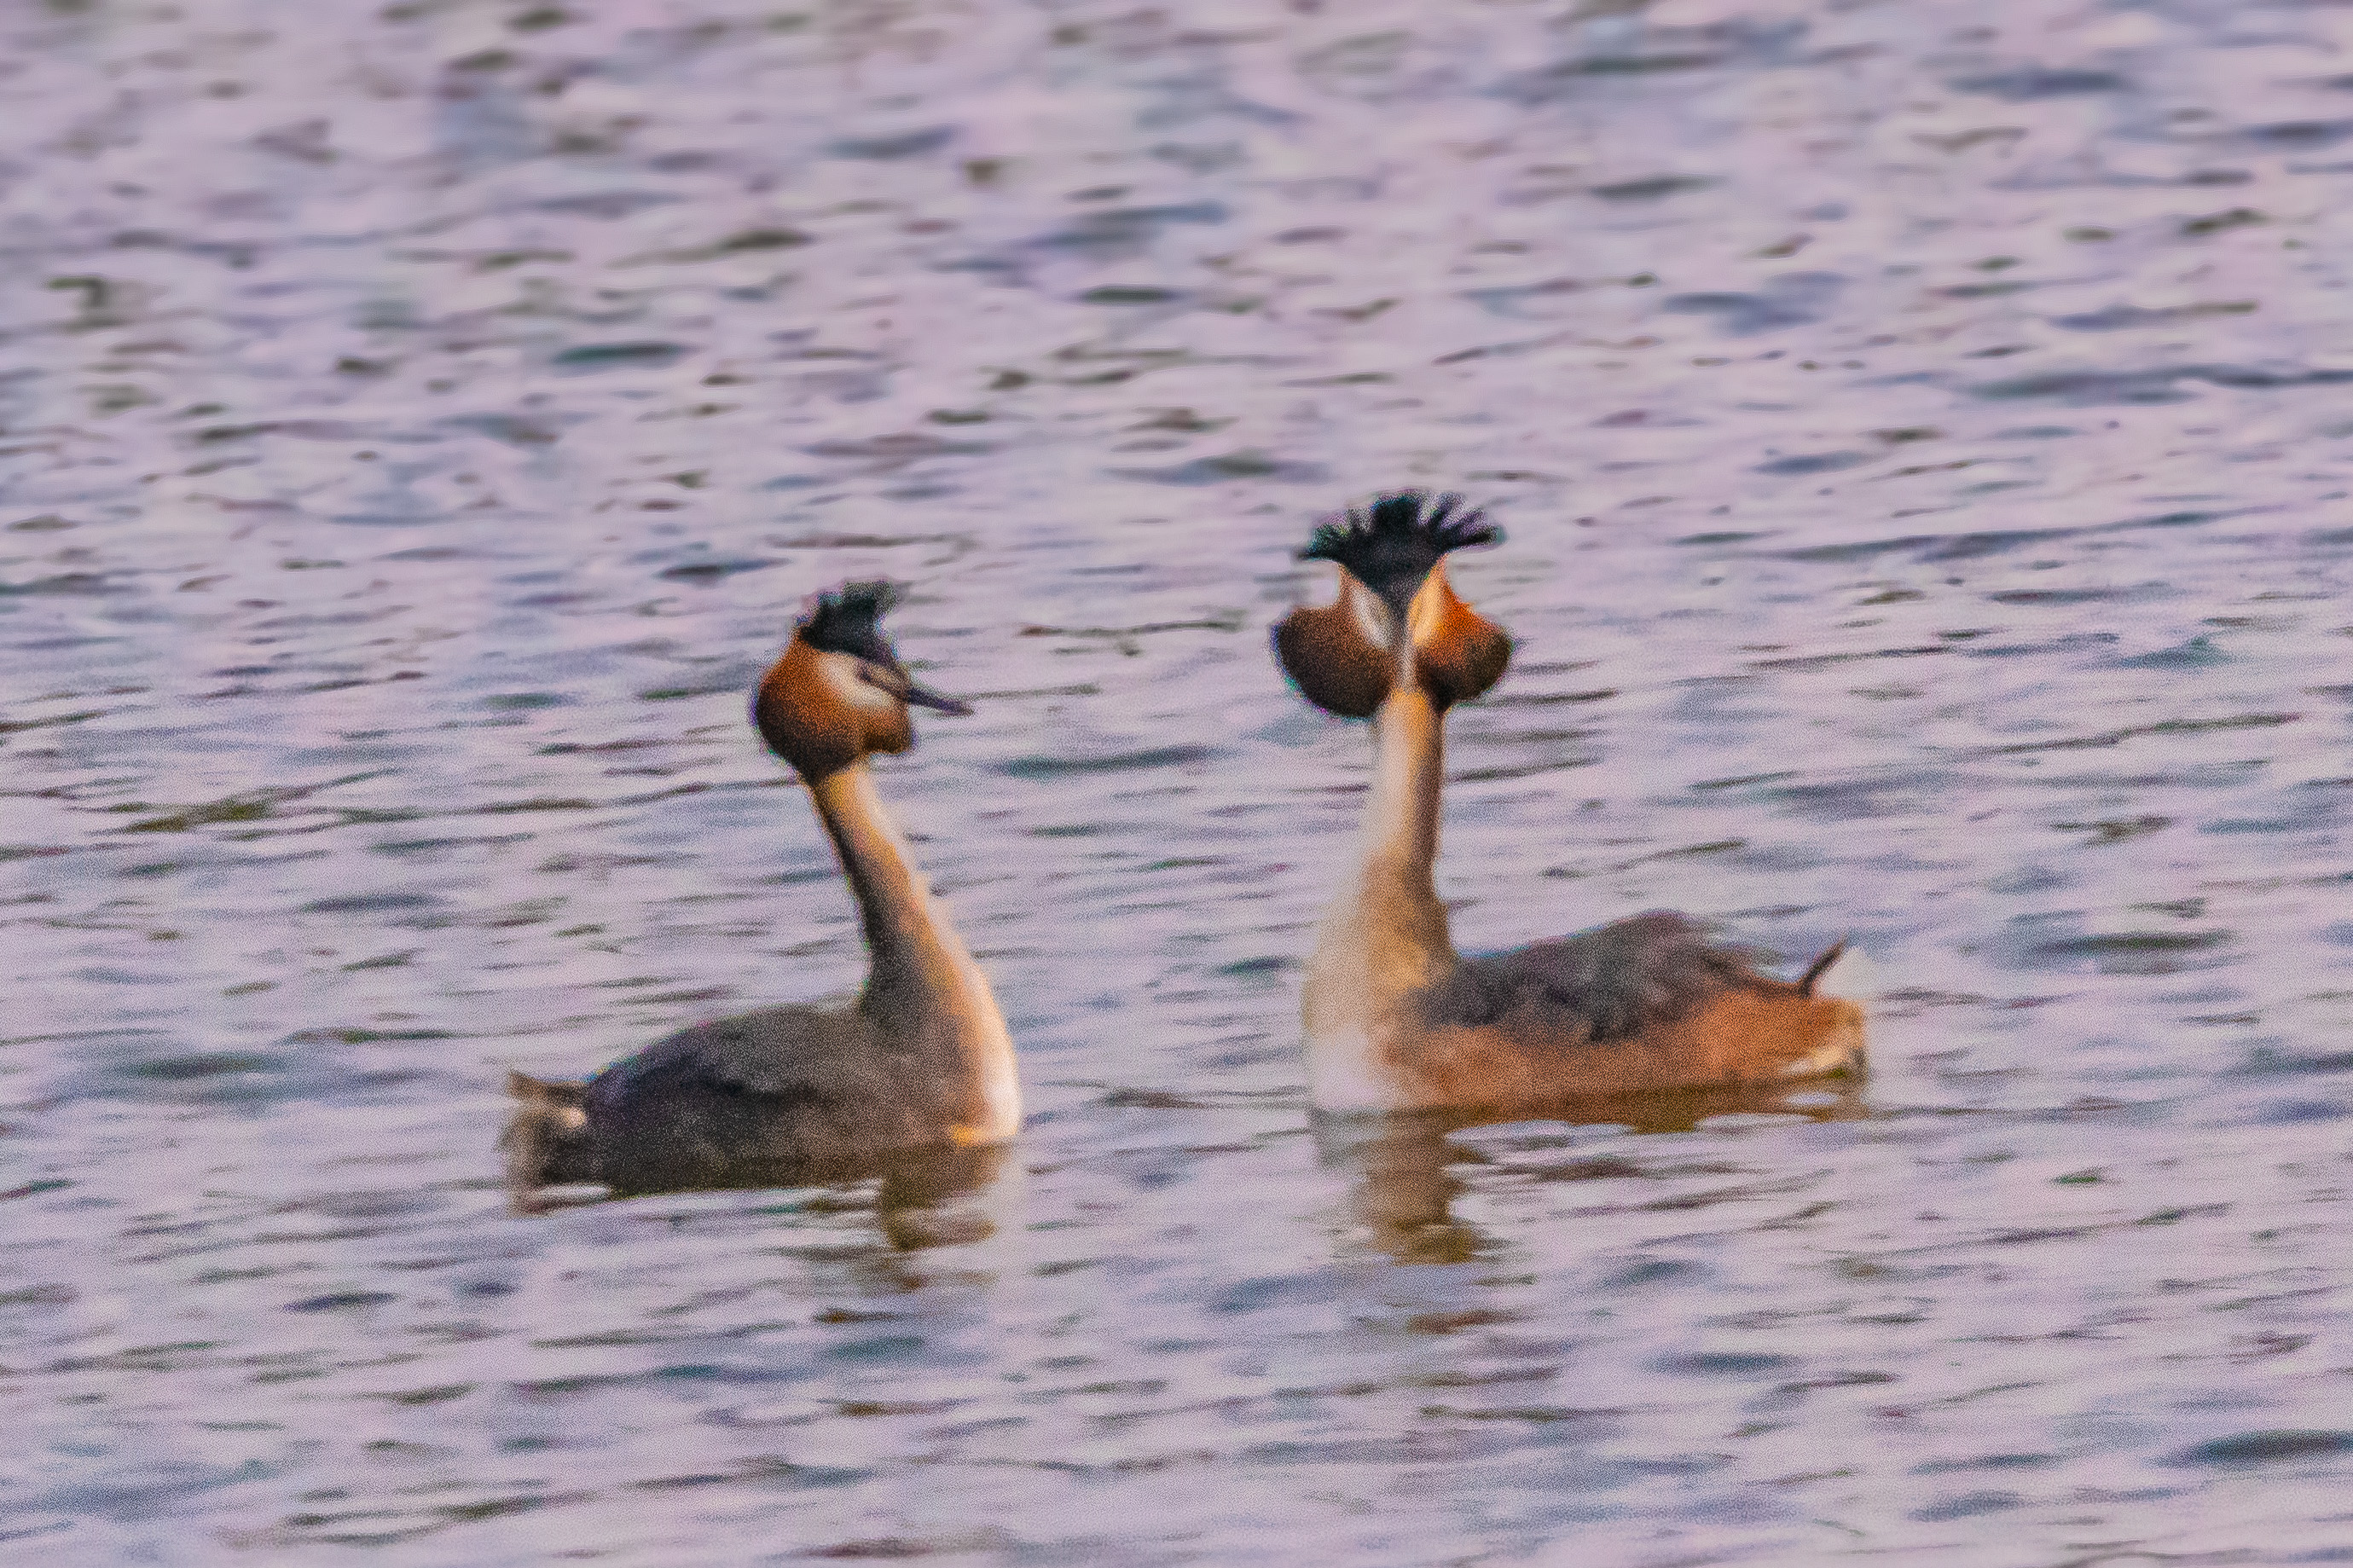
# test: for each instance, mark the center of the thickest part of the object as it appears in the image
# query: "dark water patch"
(371, 903)
(1566, 77)
(236, 808)
(1966, 1505)
(537, 802)
(354, 1036)
(898, 144)
(2297, 1112)
(1227, 623)
(1792, 299)
(18, 726)
(1830, 661)
(2313, 815)
(2298, 135)
(1601, 1168)
(2245, 1449)
(2072, 643)
(79, 585)
(1652, 187)
(2129, 952)
(308, 429)
(2088, 387)
(1043, 767)
(2115, 830)
(341, 1301)
(1273, 1291)
(2223, 222)
(2029, 84)
(1428, 1448)
(2271, 1061)
(1836, 1380)
(605, 204)
(898, 449)
(1986, 1462)
(1726, 1364)
(247, 1081)
(29, 1190)
(1547, 1415)
(743, 242)
(1643, 1272)
(2058, 598)
(709, 571)
(1507, 300)
(2166, 727)
(1549, 699)
(1656, 52)
(877, 1348)
(1817, 463)
(1994, 290)
(32, 852)
(1850, 800)
(1228, 468)
(202, 1065)
(1121, 230)
(1129, 294)
(510, 428)
(1501, 350)
(524, 701)
(2117, 317)
(158, 1489)
(610, 356)
(675, 693)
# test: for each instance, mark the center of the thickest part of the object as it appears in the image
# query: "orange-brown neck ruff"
(1385, 937)
(1457, 653)
(1344, 656)
(1336, 654)
(813, 711)
(924, 989)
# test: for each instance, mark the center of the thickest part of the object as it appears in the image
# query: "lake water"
(1923, 434)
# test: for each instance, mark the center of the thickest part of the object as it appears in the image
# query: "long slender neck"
(1399, 843)
(1385, 934)
(924, 984)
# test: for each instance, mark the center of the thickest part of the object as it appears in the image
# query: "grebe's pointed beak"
(894, 679)
(916, 695)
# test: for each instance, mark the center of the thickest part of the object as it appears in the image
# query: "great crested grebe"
(1395, 1019)
(921, 1059)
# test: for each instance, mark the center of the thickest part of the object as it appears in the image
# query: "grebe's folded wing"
(1609, 984)
(795, 1054)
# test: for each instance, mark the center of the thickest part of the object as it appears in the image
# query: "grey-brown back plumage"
(1605, 984)
(777, 1094)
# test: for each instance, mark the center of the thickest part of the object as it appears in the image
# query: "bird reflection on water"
(919, 1198)
(1403, 1187)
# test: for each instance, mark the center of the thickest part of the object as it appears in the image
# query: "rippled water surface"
(1922, 432)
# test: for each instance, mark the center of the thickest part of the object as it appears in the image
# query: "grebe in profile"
(1395, 1019)
(921, 1060)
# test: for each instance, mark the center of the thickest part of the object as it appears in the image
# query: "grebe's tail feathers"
(1845, 972)
(542, 1142)
(1822, 965)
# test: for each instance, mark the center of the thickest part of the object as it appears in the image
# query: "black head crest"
(848, 619)
(1391, 546)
